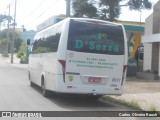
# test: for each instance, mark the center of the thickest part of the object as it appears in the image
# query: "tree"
(22, 50)
(4, 40)
(82, 8)
(3, 43)
(110, 9)
(139, 4)
(107, 9)
(4, 18)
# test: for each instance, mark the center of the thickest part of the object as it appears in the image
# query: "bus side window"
(46, 45)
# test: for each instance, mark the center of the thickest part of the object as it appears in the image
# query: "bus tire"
(45, 92)
(94, 97)
(29, 76)
(32, 84)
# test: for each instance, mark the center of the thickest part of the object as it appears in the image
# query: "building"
(151, 41)
(28, 35)
(50, 21)
(134, 33)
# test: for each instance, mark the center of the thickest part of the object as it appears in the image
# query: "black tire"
(45, 92)
(94, 97)
(32, 84)
(29, 77)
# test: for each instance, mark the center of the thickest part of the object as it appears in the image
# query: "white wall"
(149, 25)
(147, 56)
(148, 46)
(159, 63)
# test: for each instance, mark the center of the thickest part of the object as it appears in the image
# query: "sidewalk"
(145, 92)
(16, 62)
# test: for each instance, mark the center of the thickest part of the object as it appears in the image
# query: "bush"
(23, 60)
(22, 50)
(20, 54)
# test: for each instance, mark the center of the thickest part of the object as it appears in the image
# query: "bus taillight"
(123, 75)
(63, 63)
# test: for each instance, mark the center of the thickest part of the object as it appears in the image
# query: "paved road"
(17, 95)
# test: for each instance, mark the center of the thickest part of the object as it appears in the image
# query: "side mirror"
(28, 41)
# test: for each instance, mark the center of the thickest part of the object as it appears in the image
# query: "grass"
(132, 104)
(152, 108)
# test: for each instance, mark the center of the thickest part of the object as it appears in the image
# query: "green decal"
(95, 43)
(110, 48)
(116, 49)
(70, 78)
(92, 44)
(79, 44)
(100, 36)
(104, 48)
(98, 47)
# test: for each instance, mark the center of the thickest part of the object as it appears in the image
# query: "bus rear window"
(95, 38)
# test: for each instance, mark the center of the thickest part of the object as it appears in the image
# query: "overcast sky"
(30, 13)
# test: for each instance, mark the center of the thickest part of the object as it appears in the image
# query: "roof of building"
(134, 28)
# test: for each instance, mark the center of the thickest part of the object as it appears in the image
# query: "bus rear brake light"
(116, 88)
(123, 75)
(63, 63)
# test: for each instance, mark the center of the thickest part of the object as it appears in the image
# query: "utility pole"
(8, 30)
(140, 16)
(13, 35)
(68, 8)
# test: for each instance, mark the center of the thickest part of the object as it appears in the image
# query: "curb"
(132, 103)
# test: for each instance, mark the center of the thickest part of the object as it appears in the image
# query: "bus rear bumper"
(91, 91)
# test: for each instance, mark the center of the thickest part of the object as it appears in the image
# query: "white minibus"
(80, 56)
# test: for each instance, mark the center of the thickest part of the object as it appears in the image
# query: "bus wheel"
(94, 97)
(45, 92)
(32, 84)
(29, 77)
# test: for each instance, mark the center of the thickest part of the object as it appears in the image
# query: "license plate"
(94, 80)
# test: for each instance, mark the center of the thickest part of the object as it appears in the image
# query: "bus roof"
(89, 20)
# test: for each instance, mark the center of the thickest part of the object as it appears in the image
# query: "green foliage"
(23, 58)
(139, 4)
(22, 50)
(106, 9)
(3, 44)
(133, 104)
(152, 108)
(110, 9)
(49, 44)
(41, 50)
(4, 40)
(20, 54)
(84, 8)
(3, 33)
(17, 43)
(5, 17)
